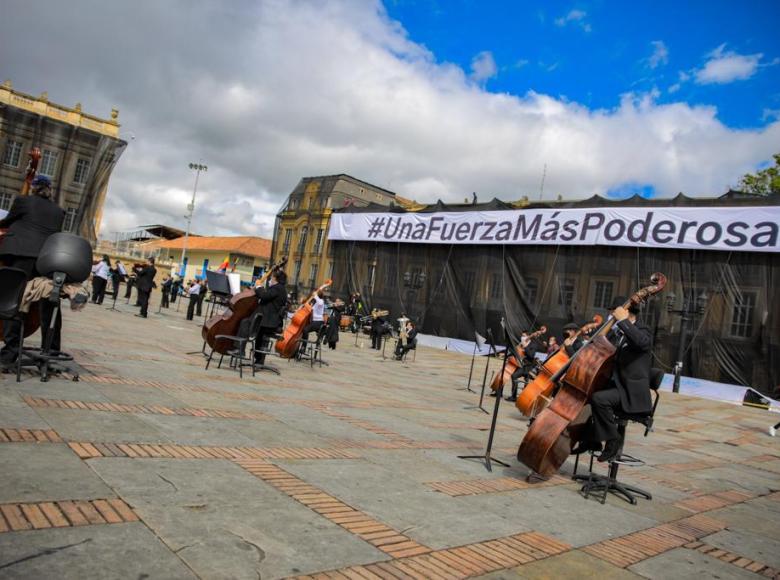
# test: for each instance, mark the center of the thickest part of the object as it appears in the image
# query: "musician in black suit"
(411, 341)
(272, 302)
(378, 329)
(629, 388)
(525, 364)
(31, 220)
(144, 283)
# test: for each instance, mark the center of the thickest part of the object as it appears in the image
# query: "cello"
(541, 387)
(239, 307)
(551, 437)
(288, 344)
(511, 364)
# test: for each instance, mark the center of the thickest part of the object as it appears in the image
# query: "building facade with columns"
(78, 153)
(301, 229)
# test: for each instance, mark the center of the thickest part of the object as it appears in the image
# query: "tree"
(764, 182)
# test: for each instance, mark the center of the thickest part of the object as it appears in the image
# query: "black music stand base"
(499, 395)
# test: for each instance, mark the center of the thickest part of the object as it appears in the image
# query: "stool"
(604, 484)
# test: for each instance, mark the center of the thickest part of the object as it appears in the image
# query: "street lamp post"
(198, 167)
(690, 307)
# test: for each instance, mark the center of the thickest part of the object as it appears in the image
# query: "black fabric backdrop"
(455, 290)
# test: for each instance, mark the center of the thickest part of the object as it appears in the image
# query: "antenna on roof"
(541, 188)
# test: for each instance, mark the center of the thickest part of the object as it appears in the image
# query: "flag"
(224, 265)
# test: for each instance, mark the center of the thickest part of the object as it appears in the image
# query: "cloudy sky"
(431, 99)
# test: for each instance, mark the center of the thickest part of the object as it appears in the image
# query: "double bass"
(542, 386)
(551, 437)
(239, 307)
(288, 344)
(511, 364)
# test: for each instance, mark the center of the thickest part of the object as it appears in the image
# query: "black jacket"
(272, 302)
(333, 325)
(573, 347)
(411, 338)
(631, 373)
(145, 278)
(31, 220)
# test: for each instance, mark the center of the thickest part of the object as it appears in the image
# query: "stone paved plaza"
(152, 467)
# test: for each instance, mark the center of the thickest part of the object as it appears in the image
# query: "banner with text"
(746, 229)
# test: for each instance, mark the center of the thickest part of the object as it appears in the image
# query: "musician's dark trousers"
(191, 307)
(128, 288)
(376, 340)
(98, 289)
(165, 296)
(115, 288)
(261, 343)
(603, 405)
(521, 372)
(401, 350)
(201, 298)
(12, 329)
(143, 298)
(313, 326)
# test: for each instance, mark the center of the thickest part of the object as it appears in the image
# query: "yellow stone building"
(79, 152)
(301, 229)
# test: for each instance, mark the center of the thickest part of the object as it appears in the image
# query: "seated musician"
(571, 342)
(378, 330)
(272, 302)
(629, 388)
(30, 221)
(411, 341)
(525, 364)
(317, 318)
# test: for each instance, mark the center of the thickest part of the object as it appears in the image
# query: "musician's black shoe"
(611, 449)
(513, 399)
(585, 446)
(493, 394)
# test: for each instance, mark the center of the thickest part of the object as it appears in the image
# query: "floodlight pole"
(198, 167)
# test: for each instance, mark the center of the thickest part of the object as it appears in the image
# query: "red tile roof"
(246, 245)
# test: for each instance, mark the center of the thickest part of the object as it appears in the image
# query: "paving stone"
(100, 426)
(757, 547)
(574, 564)
(682, 563)
(51, 472)
(89, 552)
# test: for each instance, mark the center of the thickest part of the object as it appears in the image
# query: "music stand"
(491, 349)
(113, 302)
(478, 342)
(499, 395)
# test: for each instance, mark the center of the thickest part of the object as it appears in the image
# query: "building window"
(13, 152)
(531, 290)
(602, 294)
(496, 290)
(297, 271)
(287, 240)
(318, 241)
(82, 171)
(313, 275)
(742, 315)
(70, 220)
(48, 165)
(6, 199)
(302, 239)
(566, 292)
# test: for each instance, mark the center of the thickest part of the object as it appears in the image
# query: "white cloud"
(483, 66)
(267, 93)
(576, 17)
(727, 66)
(660, 54)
